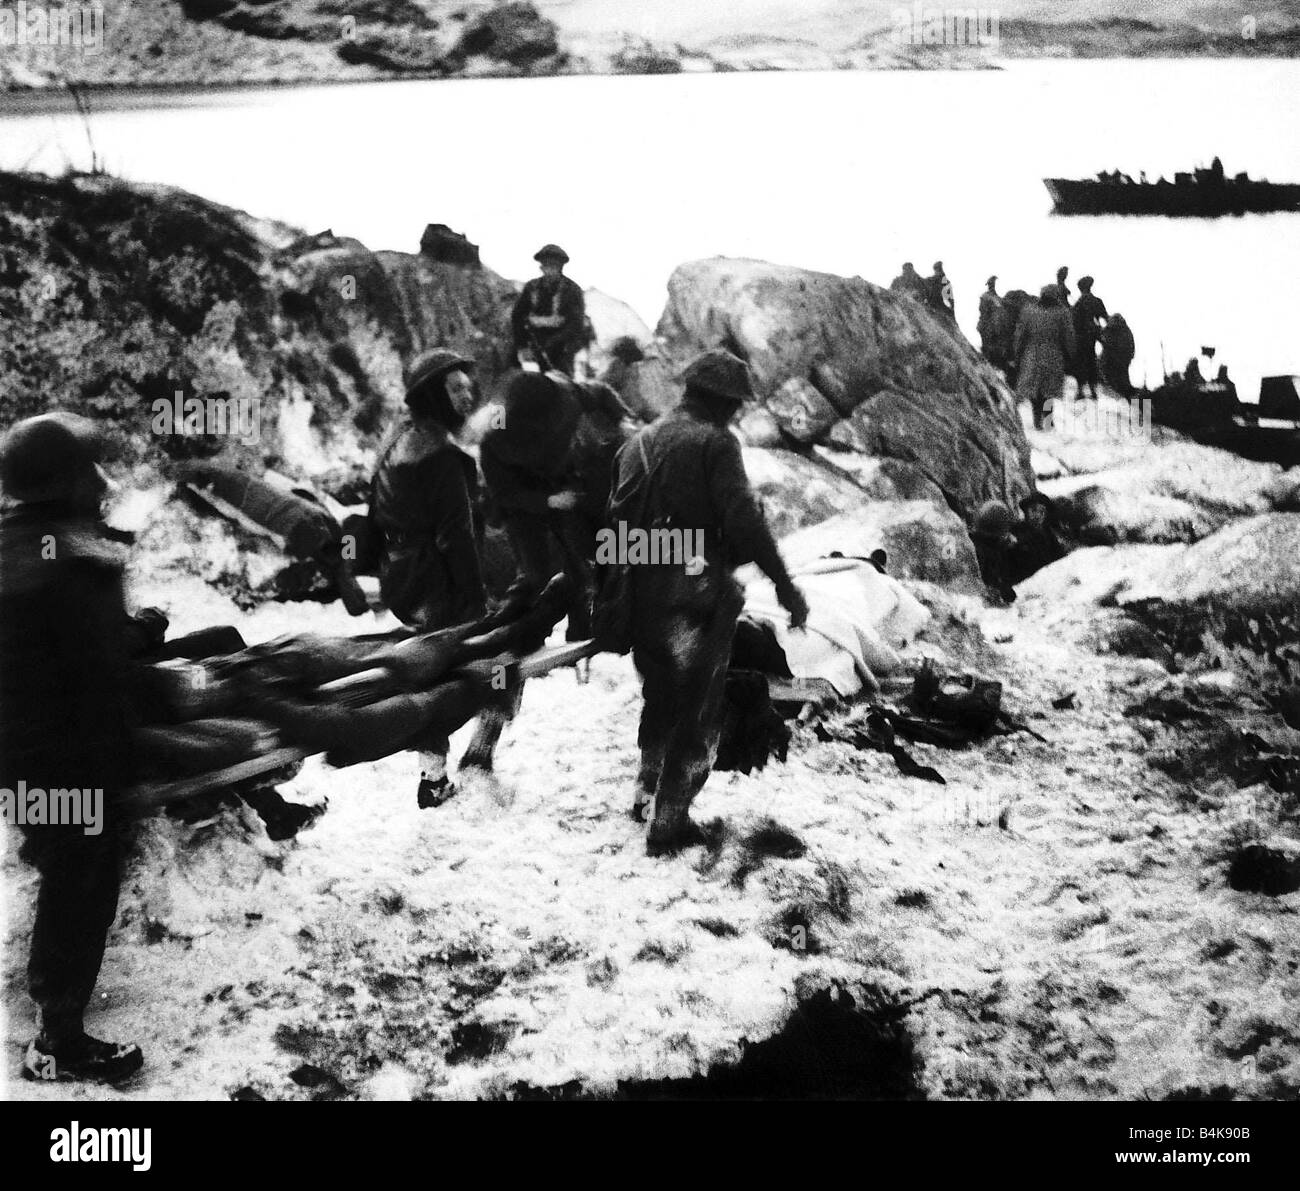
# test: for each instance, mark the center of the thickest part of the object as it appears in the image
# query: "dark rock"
(440, 243)
(397, 51)
(1257, 868)
(206, 10)
(515, 33)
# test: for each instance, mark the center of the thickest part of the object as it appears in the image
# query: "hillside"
(188, 43)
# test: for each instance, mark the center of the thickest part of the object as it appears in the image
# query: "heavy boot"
(435, 786)
(81, 1057)
(672, 829)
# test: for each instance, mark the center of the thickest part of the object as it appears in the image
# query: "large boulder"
(613, 319)
(910, 384)
(796, 492)
(454, 306)
(1249, 565)
(650, 387)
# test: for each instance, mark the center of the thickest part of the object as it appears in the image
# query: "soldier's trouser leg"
(75, 907)
(578, 546)
(688, 698)
(658, 710)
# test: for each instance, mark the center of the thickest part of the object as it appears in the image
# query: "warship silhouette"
(1203, 193)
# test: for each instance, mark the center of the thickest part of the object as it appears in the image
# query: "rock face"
(514, 33)
(815, 507)
(315, 329)
(841, 361)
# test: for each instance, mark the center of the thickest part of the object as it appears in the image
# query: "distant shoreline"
(238, 45)
(58, 93)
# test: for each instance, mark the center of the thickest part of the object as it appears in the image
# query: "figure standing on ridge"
(549, 319)
(1089, 315)
(990, 307)
(938, 292)
(909, 281)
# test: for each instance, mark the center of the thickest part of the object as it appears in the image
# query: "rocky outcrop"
(316, 330)
(842, 362)
(1161, 488)
(513, 33)
(1249, 565)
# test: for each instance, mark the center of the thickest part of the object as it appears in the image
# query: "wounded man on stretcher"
(240, 719)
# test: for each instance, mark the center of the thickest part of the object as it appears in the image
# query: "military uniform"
(1087, 314)
(1044, 343)
(938, 293)
(685, 472)
(909, 281)
(65, 722)
(526, 461)
(990, 308)
(422, 498)
(550, 315)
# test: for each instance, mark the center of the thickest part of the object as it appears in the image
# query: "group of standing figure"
(935, 291)
(1037, 341)
(562, 460)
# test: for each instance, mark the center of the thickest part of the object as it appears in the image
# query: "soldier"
(64, 720)
(1036, 544)
(550, 316)
(1043, 344)
(1061, 288)
(530, 468)
(938, 293)
(909, 281)
(423, 501)
(1089, 314)
(990, 306)
(1117, 351)
(993, 541)
(685, 473)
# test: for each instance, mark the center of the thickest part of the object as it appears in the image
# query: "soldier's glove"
(791, 599)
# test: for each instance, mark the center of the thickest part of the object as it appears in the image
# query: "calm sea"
(847, 172)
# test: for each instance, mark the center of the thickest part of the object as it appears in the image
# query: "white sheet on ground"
(858, 620)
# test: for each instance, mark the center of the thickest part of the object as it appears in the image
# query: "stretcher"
(276, 757)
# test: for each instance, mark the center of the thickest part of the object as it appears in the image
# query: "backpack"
(611, 611)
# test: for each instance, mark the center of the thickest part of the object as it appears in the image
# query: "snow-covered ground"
(1053, 922)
